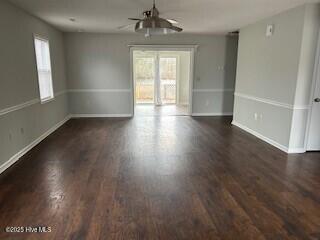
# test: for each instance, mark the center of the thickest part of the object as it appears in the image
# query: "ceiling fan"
(152, 24)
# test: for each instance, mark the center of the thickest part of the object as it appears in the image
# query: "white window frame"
(51, 97)
(165, 54)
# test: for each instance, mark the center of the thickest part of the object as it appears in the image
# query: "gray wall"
(102, 61)
(274, 76)
(18, 82)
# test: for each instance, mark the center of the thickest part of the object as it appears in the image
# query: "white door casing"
(190, 48)
(313, 136)
(314, 130)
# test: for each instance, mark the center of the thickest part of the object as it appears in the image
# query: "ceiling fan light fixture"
(152, 24)
(156, 26)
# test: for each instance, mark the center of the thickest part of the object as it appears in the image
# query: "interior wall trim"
(212, 114)
(99, 90)
(272, 102)
(89, 115)
(57, 94)
(19, 106)
(260, 136)
(27, 148)
(27, 104)
(268, 140)
(176, 47)
(213, 90)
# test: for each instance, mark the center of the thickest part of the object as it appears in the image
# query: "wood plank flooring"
(160, 178)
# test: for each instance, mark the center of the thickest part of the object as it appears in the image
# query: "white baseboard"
(270, 141)
(26, 149)
(296, 150)
(211, 114)
(260, 136)
(101, 115)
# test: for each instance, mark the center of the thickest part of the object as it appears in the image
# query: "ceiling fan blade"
(173, 21)
(135, 19)
(177, 29)
(125, 26)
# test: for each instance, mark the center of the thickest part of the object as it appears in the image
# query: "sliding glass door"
(144, 75)
(168, 79)
(155, 76)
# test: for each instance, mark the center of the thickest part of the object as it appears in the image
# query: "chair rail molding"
(272, 102)
(27, 104)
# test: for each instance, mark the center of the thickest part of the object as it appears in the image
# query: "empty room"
(143, 119)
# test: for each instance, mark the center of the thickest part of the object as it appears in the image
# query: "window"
(168, 79)
(44, 69)
(144, 75)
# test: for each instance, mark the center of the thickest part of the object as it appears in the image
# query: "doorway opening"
(161, 82)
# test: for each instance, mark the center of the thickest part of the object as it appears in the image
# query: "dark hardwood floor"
(161, 178)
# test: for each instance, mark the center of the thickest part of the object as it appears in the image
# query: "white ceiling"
(195, 16)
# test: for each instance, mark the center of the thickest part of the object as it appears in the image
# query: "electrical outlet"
(256, 116)
(261, 116)
(207, 103)
(270, 30)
